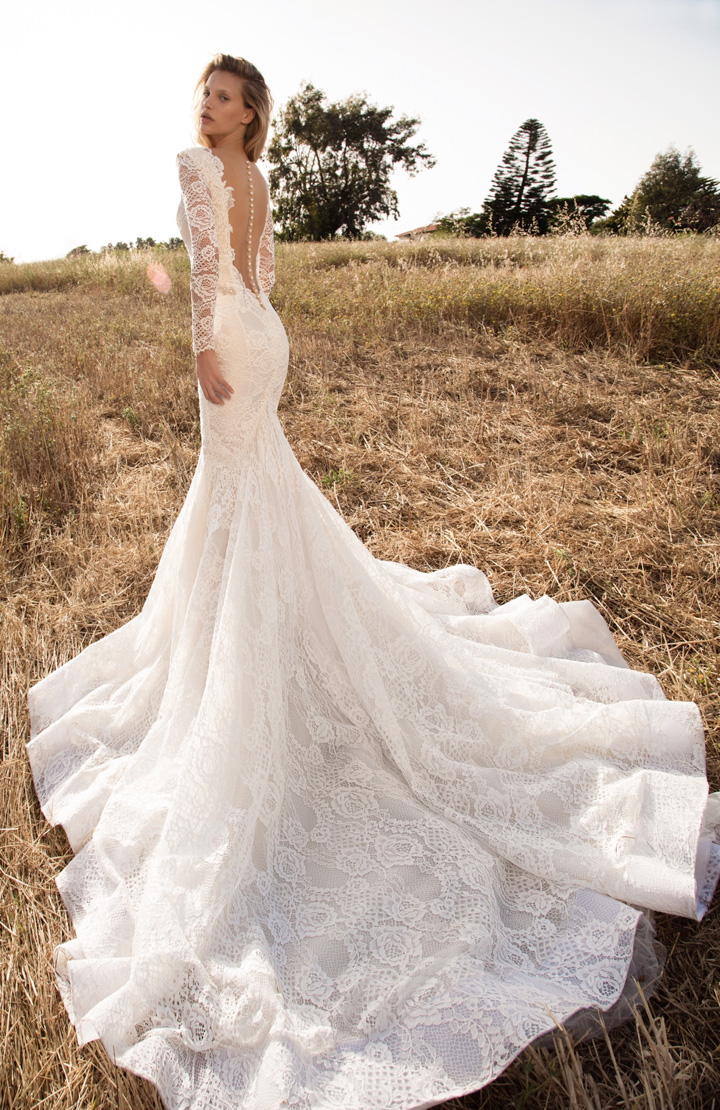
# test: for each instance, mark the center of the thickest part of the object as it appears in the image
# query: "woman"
(347, 834)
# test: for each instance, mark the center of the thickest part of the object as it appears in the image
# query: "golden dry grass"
(456, 401)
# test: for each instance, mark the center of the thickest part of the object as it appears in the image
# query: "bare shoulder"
(260, 176)
(235, 161)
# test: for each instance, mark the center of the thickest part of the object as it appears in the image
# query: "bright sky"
(97, 96)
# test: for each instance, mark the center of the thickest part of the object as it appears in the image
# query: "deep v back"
(247, 213)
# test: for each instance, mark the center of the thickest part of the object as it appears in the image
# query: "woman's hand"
(212, 382)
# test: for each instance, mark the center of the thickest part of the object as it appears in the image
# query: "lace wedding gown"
(348, 835)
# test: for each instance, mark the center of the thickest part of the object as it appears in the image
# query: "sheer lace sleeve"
(266, 252)
(204, 255)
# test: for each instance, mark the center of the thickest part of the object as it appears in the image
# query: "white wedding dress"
(347, 835)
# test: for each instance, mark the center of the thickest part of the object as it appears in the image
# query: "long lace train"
(351, 835)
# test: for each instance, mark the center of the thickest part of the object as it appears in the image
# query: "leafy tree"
(702, 212)
(331, 165)
(672, 195)
(141, 244)
(523, 183)
(464, 222)
(618, 220)
(578, 212)
(82, 249)
(6, 257)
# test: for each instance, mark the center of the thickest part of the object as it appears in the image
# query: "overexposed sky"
(97, 96)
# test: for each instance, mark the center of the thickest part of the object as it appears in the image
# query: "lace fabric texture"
(347, 835)
(212, 258)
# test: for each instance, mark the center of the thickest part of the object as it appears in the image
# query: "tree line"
(330, 178)
(173, 244)
(671, 196)
(330, 167)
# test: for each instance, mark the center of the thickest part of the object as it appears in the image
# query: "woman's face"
(224, 115)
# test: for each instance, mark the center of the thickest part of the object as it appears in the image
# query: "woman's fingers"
(221, 392)
(215, 388)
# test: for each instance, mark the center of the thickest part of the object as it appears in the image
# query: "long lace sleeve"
(266, 252)
(204, 254)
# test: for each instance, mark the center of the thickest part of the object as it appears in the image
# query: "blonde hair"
(255, 93)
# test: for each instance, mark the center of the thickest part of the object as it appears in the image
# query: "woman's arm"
(266, 252)
(204, 272)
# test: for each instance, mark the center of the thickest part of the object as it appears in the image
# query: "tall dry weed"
(643, 298)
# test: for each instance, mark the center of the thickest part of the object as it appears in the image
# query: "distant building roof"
(417, 232)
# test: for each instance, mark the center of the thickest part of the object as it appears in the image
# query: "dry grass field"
(544, 409)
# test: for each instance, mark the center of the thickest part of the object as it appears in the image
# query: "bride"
(347, 835)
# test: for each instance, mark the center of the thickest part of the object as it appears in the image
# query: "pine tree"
(523, 184)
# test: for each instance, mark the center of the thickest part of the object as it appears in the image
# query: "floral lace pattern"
(196, 221)
(348, 835)
(266, 253)
(205, 228)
